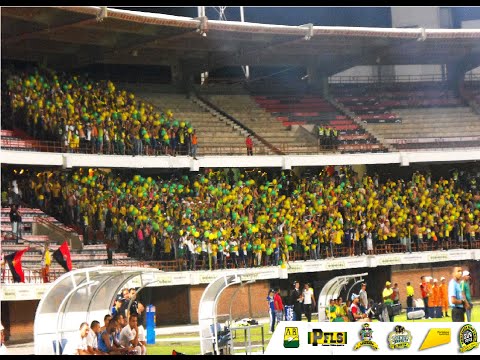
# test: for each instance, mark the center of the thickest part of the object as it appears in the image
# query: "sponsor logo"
(389, 260)
(467, 338)
(366, 338)
(291, 338)
(436, 337)
(438, 257)
(318, 337)
(399, 338)
(332, 265)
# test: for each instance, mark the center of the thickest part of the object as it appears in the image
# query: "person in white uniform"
(308, 302)
(129, 336)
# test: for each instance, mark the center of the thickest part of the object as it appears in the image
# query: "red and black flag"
(14, 261)
(62, 255)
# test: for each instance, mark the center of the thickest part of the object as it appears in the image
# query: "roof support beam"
(24, 36)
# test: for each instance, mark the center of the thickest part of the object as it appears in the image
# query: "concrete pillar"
(456, 75)
(317, 80)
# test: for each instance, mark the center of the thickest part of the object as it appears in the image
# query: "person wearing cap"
(387, 296)
(455, 297)
(355, 311)
(118, 305)
(443, 296)
(467, 295)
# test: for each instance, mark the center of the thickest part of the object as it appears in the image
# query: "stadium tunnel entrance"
(78, 296)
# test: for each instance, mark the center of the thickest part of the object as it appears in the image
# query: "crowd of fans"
(251, 218)
(93, 116)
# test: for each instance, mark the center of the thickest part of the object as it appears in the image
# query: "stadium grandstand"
(183, 149)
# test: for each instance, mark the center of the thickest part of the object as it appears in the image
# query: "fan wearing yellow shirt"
(46, 261)
(387, 296)
(410, 294)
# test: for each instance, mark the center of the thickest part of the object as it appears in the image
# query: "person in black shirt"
(16, 220)
(296, 299)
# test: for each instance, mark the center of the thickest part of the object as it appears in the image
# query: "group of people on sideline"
(454, 296)
(122, 333)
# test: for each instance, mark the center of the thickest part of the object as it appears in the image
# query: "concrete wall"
(17, 318)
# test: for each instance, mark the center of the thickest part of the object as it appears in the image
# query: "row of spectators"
(255, 220)
(89, 116)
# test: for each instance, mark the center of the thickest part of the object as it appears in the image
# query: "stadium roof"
(78, 36)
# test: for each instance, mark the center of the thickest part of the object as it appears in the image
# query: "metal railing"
(35, 276)
(219, 149)
(366, 79)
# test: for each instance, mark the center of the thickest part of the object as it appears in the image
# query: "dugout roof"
(77, 296)
(78, 36)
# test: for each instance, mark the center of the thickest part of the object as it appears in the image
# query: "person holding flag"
(14, 261)
(46, 261)
(62, 256)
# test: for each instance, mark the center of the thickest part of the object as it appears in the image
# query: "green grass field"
(192, 347)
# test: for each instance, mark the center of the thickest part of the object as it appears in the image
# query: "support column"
(317, 80)
(456, 75)
(181, 78)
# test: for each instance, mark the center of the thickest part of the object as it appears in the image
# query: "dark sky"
(326, 16)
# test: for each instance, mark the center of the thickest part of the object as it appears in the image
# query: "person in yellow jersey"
(387, 296)
(410, 296)
(46, 261)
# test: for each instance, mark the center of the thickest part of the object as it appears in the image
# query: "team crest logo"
(291, 338)
(467, 338)
(399, 338)
(366, 338)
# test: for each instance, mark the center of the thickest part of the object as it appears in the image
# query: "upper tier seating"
(424, 118)
(246, 110)
(215, 136)
(312, 111)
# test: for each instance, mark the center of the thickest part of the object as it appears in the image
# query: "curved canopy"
(77, 296)
(207, 311)
(332, 290)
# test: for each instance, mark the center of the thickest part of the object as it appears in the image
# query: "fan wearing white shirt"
(92, 339)
(77, 345)
(129, 335)
(308, 301)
